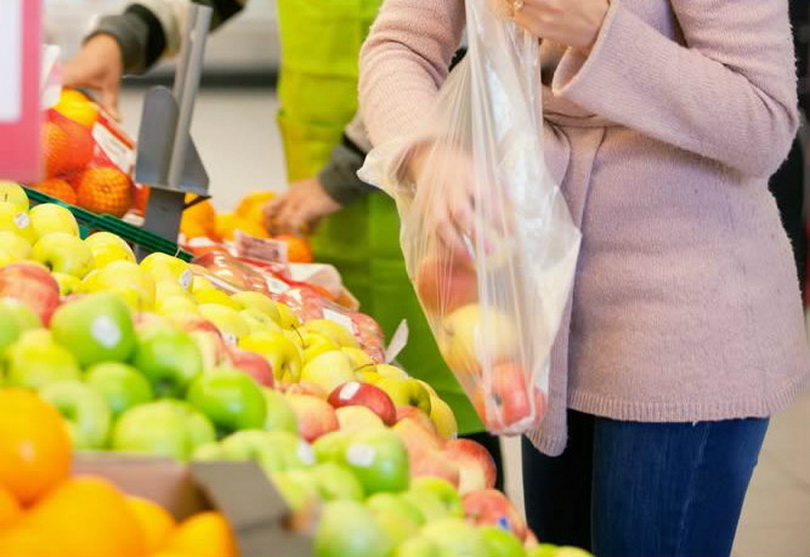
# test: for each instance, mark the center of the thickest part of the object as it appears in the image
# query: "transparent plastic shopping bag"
(487, 236)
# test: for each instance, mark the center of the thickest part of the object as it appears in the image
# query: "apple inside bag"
(487, 237)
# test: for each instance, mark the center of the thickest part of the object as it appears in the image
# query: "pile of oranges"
(74, 171)
(45, 512)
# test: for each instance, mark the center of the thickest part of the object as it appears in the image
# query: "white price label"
(186, 279)
(361, 455)
(120, 155)
(21, 220)
(343, 320)
(105, 331)
(230, 339)
(11, 60)
(305, 453)
(349, 390)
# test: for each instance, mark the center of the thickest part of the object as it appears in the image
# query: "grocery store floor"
(237, 138)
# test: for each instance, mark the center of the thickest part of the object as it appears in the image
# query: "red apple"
(476, 466)
(304, 388)
(417, 415)
(31, 285)
(254, 365)
(375, 399)
(315, 416)
(513, 402)
(491, 507)
(434, 464)
(445, 283)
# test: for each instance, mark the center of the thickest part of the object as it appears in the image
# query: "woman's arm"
(729, 95)
(404, 62)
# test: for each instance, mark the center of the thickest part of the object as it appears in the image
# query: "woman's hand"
(574, 23)
(99, 67)
(299, 209)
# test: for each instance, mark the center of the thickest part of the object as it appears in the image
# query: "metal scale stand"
(167, 158)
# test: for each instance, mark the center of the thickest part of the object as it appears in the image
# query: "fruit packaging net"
(486, 234)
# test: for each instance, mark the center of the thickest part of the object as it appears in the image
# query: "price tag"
(343, 320)
(118, 153)
(361, 455)
(21, 220)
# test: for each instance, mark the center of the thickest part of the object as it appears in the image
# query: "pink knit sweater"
(685, 305)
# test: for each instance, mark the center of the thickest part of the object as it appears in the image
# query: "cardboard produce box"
(240, 490)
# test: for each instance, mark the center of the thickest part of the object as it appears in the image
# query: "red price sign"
(20, 116)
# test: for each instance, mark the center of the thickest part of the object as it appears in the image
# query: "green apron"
(320, 46)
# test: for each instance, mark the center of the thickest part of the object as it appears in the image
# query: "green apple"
(397, 517)
(164, 428)
(275, 451)
(331, 330)
(122, 386)
(405, 392)
(26, 318)
(95, 328)
(360, 359)
(279, 415)
(15, 221)
(165, 267)
(64, 253)
(279, 351)
(501, 543)
(442, 416)
(257, 301)
(16, 246)
(379, 460)
(456, 537)
(348, 529)
(168, 358)
(328, 370)
(107, 247)
(36, 360)
(419, 547)
(14, 193)
(49, 217)
(332, 446)
(287, 319)
(314, 345)
(296, 488)
(571, 551)
(229, 321)
(9, 329)
(544, 550)
(442, 490)
(334, 482)
(430, 507)
(231, 399)
(210, 451)
(68, 284)
(474, 334)
(84, 409)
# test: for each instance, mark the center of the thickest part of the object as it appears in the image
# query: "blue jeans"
(631, 489)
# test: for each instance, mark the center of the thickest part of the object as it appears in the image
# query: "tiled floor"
(237, 137)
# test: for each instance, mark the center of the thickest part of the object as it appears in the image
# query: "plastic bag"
(487, 236)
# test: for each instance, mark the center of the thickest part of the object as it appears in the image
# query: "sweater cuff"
(139, 34)
(339, 177)
(580, 76)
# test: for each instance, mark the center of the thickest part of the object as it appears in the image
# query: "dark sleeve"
(339, 176)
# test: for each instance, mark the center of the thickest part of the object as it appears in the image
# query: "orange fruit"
(81, 112)
(199, 219)
(68, 147)
(228, 223)
(9, 508)
(206, 534)
(247, 207)
(58, 188)
(73, 96)
(156, 522)
(104, 190)
(298, 250)
(84, 517)
(34, 445)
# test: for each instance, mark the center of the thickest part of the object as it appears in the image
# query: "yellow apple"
(165, 267)
(49, 217)
(282, 354)
(13, 193)
(332, 330)
(5, 258)
(68, 284)
(213, 296)
(15, 221)
(287, 318)
(473, 335)
(15, 246)
(107, 247)
(64, 253)
(360, 360)
(328, 370)
(367, 375)
(259, 321)
(176, 305)
(257, 301)
(201, 283)
(128, 280)
(386, 370)
(315, 344)
(229, 321)
(442, 417)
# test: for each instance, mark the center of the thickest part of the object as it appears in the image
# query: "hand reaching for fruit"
(299, 209)
(98, 66)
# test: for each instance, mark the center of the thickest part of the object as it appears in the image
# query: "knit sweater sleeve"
(729, 94)
(404, 61)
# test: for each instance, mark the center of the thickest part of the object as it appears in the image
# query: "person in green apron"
(358, 227)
